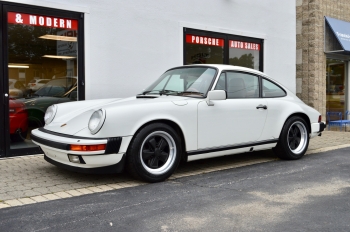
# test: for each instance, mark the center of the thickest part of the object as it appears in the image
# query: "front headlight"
(50, 114)
(96, 120)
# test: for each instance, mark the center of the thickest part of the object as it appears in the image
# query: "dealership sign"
(204, 40)
(244, 45)
(42, 21)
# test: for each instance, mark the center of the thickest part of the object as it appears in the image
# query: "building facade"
(322, 55)
(87, 49)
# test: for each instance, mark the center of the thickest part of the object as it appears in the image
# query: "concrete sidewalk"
(30, 179)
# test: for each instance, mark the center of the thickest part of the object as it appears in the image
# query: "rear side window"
(271, 89)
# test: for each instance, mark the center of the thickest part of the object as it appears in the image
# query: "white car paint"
(207, 129)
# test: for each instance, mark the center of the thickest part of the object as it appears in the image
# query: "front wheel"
(294, 139)
(154, 153)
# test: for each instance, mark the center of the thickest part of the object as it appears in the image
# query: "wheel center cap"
(157, 152)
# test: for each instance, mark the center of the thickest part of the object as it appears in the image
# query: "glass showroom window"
(42, 70)
(205, 47)
(244, 54)
(204, 50)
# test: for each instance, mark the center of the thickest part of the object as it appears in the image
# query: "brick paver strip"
(39, 199)
(63, 194)
(85, 191)
(13, 202)
(26, 201)
(74, 193)
(31, 179)
(51, 196)
(2, 205)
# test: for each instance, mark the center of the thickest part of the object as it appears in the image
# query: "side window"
(272, 90)
(242, 85)
(221, 84)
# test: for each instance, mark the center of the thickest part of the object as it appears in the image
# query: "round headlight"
(96, 121)
(50, 114)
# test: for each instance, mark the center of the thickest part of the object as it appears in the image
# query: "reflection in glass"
(244, 54)
(204, 50)
(335, 86)
(42, 71)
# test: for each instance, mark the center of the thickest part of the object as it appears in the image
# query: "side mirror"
(215, 95)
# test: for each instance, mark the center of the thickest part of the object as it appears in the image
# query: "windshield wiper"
(167, 91)
(145, 92)
(161, 92)
(191, 92)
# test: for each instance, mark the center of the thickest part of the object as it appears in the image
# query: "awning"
(337, 36)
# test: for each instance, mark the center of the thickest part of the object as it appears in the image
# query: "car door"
(238, 119)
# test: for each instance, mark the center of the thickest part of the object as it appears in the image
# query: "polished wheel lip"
(171, 157)
(297, 131)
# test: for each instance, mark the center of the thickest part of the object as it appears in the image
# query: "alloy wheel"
(158, 152)
(297, 137)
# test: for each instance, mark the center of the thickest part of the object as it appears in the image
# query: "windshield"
(183, 81)
(57, 87)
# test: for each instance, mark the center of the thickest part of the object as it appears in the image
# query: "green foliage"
(246, 60)
(25, 46)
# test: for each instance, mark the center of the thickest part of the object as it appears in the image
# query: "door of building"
(42, 64)
(336, 86)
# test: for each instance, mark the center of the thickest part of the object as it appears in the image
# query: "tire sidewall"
(133, 153)
(288, 154)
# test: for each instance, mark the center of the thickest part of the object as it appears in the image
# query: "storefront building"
(68, 50)
(323, 54)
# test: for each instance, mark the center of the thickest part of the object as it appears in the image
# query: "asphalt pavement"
(311, 194)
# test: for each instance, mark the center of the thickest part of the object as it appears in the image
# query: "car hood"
(73, 117)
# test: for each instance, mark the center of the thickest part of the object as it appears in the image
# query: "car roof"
(227, 67)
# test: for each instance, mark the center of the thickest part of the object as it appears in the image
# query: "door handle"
(261, 106)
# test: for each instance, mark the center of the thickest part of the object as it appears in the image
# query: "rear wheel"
(154, 153)
(294, 139)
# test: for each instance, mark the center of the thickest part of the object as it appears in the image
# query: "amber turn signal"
(97, 147)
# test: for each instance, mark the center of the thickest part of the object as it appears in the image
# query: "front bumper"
(56, 148)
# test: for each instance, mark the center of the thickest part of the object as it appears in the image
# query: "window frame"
(238, 71)
(227, 38)
(5, 7)
(262, 78)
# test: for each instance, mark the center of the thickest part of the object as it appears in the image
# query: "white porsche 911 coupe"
(191, 112)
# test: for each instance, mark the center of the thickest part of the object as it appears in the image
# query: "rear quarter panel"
(280, 109)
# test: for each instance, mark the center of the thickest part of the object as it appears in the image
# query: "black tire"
(294, 139)
(18, 137)
(161, 155)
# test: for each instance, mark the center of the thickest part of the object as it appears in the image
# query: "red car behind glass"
(18, 120)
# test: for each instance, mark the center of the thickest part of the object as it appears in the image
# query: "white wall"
(131, 43)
